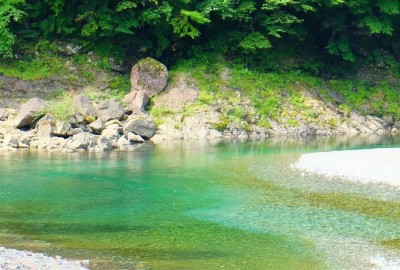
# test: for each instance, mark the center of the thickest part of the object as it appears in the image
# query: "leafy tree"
(242, 28)
(10, 13)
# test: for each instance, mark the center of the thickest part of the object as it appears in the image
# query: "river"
(200, 205)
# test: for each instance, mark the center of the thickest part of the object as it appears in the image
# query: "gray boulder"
(27, 112)
(84, 106)
(136, 101)
(10, 141)
(26, 138)
(134, 138)
(121, 142)
(74, 131)
(97, 125)
(103, 144)
(110, 109)
(52, 144)
(44, 126)
(110, 133)
(5, 113)
(140, 125)
(148, 78)
(48, 126)
(76, 120)
(81, 141)
(61, 128)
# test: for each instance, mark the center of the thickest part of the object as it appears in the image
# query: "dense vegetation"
(306, 44)
(249, 30)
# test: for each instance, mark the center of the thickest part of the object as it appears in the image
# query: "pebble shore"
(12, 259)
(364, 166)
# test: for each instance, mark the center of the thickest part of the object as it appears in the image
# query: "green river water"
(198, 205)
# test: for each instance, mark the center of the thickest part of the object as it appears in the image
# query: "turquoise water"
(198, 205)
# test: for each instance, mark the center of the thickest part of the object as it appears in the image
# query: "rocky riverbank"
(12, 259)
(178, 110)
(83, 124)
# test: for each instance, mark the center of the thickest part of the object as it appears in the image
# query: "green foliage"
(32, 68)
(182, 25)
(244, 29)
(10, 13)
(254, 42)
(119, 87)
(341, 47)
(223, 124)
(59, 107)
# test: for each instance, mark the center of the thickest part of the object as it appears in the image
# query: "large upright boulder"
(27, 112)
(110, 109)
(148, 78)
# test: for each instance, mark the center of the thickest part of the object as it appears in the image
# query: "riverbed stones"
(24, 260)
(27, 112)
(140, 125)
(109, 110)
(148, 78)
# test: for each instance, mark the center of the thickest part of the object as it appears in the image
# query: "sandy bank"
(365, 166)
(12, 259)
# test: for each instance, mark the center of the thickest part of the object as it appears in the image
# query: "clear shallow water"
(199, 206)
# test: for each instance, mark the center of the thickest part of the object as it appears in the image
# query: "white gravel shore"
(12, 259)
(366, 166)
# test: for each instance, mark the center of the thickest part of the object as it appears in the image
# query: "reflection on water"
(199, 205)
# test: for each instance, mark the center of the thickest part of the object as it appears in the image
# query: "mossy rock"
(149, 76)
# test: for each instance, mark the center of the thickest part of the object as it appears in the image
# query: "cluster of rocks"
(89, 126)
(11, 259)
(92, 127)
